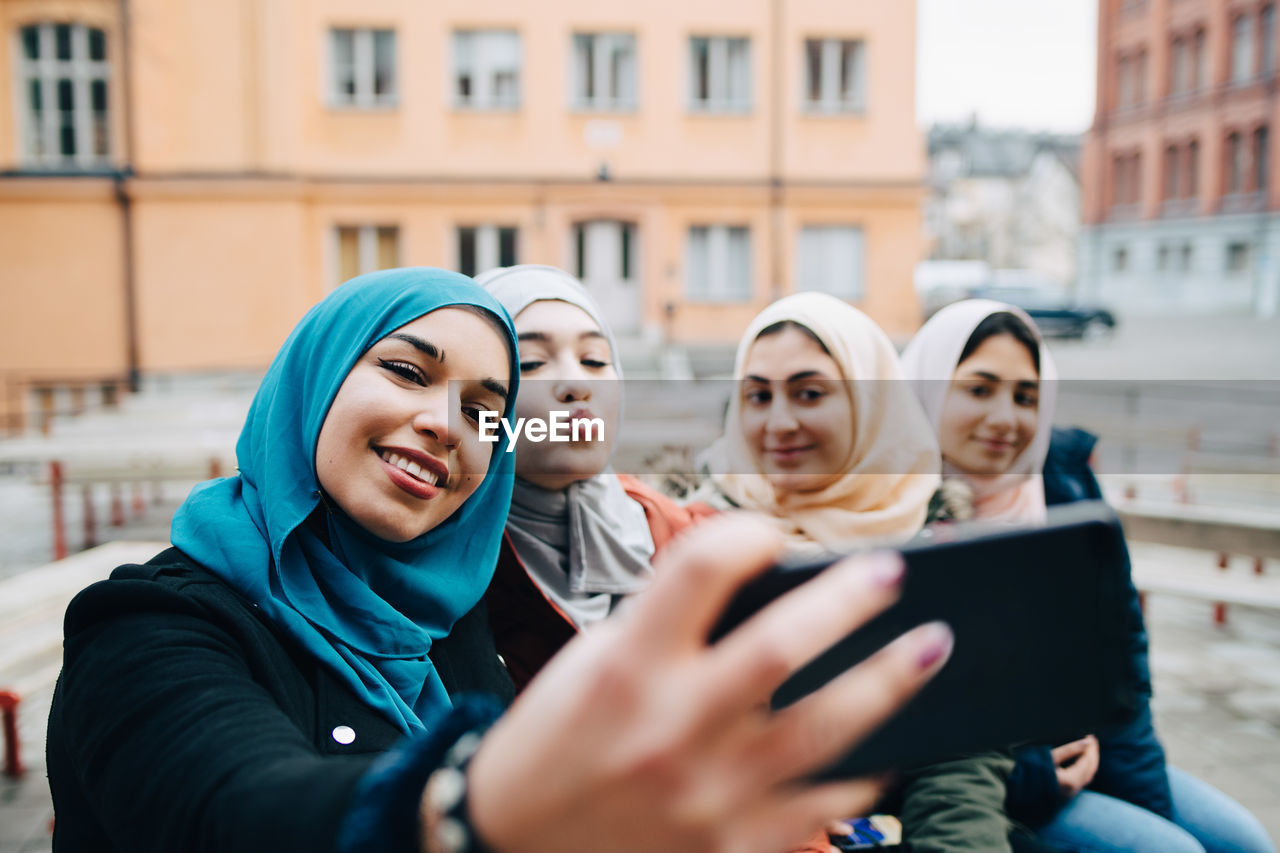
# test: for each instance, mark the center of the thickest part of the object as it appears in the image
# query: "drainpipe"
(125, 201)
(775, 156)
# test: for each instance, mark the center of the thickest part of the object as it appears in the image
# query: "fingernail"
(886, 569)
(937, 645)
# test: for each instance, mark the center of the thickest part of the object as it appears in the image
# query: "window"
(1180, 67)
(1235, 163)
(486, 69)
(604, 251)
(1237, 257)
(718, 264)
(1140, 78)
(830, 259)
(719, 74)
(1120, 259)
(1199, 61)
(1241, 49)
(604, 71)
(365, 248)
(1193, 168)
(1162, 258)
(363, 64)
(484, 247)
(835, 75)
(1261, 160)
(1171, 176)
(1186, 258)
(1120, 179)
(63, 77)
(1268, 19)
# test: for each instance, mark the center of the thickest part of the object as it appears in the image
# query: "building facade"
(1180, 211)
(179, 181)
(1009, 198)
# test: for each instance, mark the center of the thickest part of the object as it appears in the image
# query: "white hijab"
(589, 543)
(931, 359)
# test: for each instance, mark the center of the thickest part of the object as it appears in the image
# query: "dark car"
(1055, 313)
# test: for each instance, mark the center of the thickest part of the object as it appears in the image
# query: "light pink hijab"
(930, 360)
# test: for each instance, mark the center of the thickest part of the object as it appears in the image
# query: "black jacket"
(1131, 759)
(183, 720)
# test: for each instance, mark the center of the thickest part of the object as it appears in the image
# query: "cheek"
(753, 421)
(959, 415)
(1028, 420)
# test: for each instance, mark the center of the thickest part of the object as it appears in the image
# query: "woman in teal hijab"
(291, 675)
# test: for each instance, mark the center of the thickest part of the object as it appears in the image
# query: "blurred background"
(181, 180)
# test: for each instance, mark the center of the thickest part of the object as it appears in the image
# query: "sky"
(1013, 63)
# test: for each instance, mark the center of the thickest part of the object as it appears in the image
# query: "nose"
(1002, 410)
(432, 417)
(781, 419)
(571, 385)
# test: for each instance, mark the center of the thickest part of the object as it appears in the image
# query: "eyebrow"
(544, 338)
(496, 387)
(427, 348)
(795, 377)
(991, 377)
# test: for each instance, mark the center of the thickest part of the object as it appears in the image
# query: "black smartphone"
(1040, 617)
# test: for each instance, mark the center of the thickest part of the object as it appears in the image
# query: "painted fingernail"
(937, 645)
(886, 569)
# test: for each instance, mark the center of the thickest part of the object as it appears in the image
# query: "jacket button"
(344, 735)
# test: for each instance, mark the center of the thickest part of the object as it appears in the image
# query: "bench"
(1224, 531)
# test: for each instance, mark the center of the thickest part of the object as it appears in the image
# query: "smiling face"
(400, 449)
(796, 412)
(567, 366)
(991, 408)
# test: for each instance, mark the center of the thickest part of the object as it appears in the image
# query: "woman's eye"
(809, 395)
(1029, 401)
(758, 398)
(530, 366)
(594, 363)
(979, 390)
(405, 370)
(473, 413)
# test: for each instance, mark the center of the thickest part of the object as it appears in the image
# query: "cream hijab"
(931, 359)
(883, 491)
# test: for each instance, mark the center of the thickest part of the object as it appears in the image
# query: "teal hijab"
(368, 609)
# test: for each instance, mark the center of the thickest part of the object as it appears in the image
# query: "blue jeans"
(1205, 821)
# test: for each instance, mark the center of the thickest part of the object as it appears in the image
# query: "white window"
(1242, 49)
(365, 248)
(719, 74)
(718, 264)
(1268, 39)
(63, 76)
(604, 71)
(486, 69)
(483, 247)
(363, 66)
(835, 75)
(830, 260)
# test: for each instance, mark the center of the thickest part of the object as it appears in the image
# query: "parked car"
(1057, 315)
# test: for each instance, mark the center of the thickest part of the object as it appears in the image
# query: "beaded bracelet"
(445, 818)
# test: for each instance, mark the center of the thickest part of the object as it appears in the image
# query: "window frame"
(821, 230)
(479, 38)
(718, 287)
(720, 68)
(364, 65)
(367, 248)
(584, 93)
(832, 73)
(40, 136)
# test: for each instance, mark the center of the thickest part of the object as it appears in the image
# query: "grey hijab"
(589, 544)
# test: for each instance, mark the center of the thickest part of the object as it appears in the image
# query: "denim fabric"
(1205, 821)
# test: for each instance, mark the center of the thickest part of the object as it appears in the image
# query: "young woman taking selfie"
(294, 674)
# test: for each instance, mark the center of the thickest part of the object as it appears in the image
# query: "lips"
(995, 445)
(787, 454)
(414, 471)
